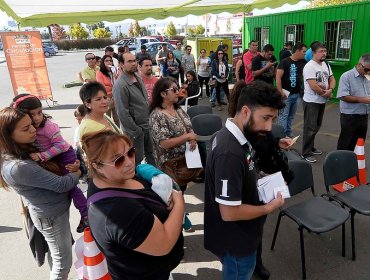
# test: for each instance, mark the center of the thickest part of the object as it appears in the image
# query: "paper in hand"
(192, 157)
(269, 186)
(286, 92)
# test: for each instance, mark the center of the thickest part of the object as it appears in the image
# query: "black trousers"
(313, 115)
(225, 86)
(352, 126)
(205, 80)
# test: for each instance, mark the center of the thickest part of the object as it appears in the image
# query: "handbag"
(212, 83)
(178, 170)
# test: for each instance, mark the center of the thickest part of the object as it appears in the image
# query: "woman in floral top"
(171, 126)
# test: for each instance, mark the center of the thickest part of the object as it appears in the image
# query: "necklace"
(170, 111)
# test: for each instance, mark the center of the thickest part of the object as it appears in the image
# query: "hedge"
(83, 44)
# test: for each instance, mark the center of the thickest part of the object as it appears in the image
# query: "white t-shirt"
(203, 67)
(320, 73)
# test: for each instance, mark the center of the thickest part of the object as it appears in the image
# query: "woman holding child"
(136, 231)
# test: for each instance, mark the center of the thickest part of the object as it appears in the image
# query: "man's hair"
(268, 48)
(298, 46)
(143, 47)
(164, 44)
(121, 59)
(188, 46)
(260, 94)
(108, 49)
(224, 46)
(121, 49)
(253, 41)
(365, 59)
(141, 60)
(317, 46)
(314, 42)
(88, 54)
(288, 44)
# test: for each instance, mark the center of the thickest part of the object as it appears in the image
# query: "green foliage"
(77, 31)
(144, 31)
(199, 30)
(170, 30)
(83, 44)
(137, 29)
(101, 33)
(325, 3)
(228, 25)
(190, 31)
(131, 30)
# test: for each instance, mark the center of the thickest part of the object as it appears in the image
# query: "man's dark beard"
(252, 136)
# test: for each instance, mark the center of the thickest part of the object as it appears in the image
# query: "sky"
(193, 19)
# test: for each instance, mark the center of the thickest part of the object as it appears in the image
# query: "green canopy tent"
(40, 13)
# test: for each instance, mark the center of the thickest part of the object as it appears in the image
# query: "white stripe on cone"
(359, 150)
(361, 164)
(91, 249)
(97, 271)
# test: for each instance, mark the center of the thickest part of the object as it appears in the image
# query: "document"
(269, 186)
(192, 157)
(286, 92)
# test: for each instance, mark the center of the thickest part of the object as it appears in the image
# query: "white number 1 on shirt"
(224, 188)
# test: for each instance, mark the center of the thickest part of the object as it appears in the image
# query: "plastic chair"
(185, 106)
(205, 125)
(316, 214)
(338, 167)
(199, 110)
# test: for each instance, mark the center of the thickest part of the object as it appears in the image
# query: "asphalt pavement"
(323, 252)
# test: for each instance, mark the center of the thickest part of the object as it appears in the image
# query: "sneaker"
(84, 223)
(213, 105)
(223, 103)
(316, 151)
(310, 159)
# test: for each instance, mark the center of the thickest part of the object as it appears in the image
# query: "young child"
(52, 146)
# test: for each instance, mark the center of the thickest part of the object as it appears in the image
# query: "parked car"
(136, 43)
(120, 43)
(51, 45)
(1, 46)
(48, 51)
(152, 49)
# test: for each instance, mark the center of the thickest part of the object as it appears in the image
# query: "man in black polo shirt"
(233, 214)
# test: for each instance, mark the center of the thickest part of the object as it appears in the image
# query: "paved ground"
(323, 252)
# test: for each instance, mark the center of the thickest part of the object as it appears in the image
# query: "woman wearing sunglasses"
(220, 70)
(140, 236)
(107, 75)
(45, 193)
(96, 101)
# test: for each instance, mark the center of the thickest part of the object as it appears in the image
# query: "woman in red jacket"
(107, 76)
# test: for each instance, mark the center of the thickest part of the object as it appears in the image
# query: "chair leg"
(343, 240)
(276, 231)
(303, 259)
(353, 235)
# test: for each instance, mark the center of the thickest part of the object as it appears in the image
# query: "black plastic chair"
(206, 125)
(316, 214)
(338, 167)
(198, 110)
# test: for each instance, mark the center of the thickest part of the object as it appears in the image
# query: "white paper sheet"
(192, 157)
(269, 186)
(286, 92)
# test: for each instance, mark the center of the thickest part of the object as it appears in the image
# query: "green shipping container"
(345, 29)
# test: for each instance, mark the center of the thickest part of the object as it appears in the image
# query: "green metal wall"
(314, 26)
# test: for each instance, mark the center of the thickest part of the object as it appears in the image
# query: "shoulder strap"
(112, 193)
(327, 65)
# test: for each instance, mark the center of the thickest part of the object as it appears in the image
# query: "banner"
(26, 63)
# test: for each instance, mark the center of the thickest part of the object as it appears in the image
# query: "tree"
(170, 30)
(131, 30)
(137, 29)
(58, 32)
(78, 31)
(199, 30)
(144, 31)
(101, 33)
(324, 3)
(190, 31)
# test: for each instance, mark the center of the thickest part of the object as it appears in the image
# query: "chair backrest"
(185, 107)
(303, 178)
(206, 124)
(198, 110)
(339, 166)
(278, 130)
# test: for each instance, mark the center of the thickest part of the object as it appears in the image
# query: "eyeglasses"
(90, 58)
(174, 89)
(365, 69)
(118, 162)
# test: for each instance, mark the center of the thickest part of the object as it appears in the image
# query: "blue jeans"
(287, 114)
(57, 233)
(238, 268)
(213, 96)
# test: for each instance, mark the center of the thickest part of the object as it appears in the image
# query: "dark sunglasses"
(220, 53)
(118, 162)
(90, 58)
(365, 69)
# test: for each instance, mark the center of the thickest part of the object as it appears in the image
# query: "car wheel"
(47, 54)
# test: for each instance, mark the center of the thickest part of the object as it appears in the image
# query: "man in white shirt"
(319, 83)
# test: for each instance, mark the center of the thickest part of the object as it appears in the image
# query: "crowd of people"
(131, 124)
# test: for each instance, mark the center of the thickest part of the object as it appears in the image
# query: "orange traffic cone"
(352, 182)
(95, 264)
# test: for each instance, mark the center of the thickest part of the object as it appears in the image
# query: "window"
(294, 33)
(261, 34)
(338, 39)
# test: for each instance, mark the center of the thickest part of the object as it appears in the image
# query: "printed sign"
(26, 63)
